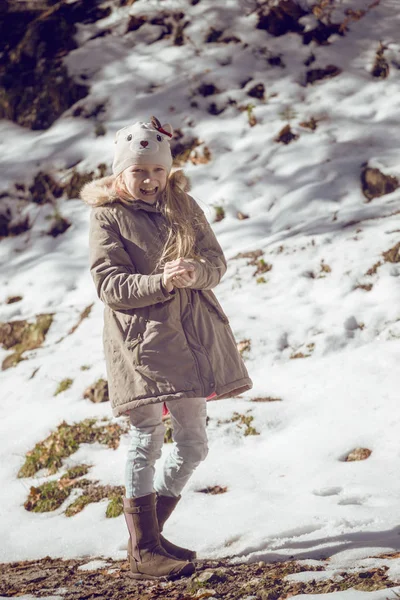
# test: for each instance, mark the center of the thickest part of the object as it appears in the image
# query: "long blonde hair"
(177, 208)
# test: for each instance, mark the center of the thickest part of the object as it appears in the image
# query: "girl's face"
(145, 182)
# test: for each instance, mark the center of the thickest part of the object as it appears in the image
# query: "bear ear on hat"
(117, 133)
(168, 128)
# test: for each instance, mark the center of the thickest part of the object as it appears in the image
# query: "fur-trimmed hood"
(100, 191)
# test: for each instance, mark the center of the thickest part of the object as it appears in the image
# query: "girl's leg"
(147, 438)
(188, 416)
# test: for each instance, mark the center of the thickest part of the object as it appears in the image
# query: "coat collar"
(98, 193)
(142, 205)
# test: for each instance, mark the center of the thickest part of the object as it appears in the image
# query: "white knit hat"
(143, 144)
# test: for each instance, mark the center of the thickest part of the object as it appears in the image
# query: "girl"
(154, 260)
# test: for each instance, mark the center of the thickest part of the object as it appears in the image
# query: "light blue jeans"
(190, 447)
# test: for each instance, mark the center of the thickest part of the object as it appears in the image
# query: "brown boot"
(147, 558)
(165, 506)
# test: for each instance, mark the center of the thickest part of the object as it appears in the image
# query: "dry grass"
(63, 442)
(64, 385)
(266, 399)
(97, 392)
(243, 423)
(22, 336)
(367, 287)
(51, 495)
(244, 346)
(213, 490)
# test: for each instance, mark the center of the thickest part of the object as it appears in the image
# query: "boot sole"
(141, 576)
(188, 557)
(185, 572)
(181, 553)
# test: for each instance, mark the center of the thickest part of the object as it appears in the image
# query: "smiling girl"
(155, 260)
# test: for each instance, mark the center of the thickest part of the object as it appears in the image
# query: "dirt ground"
(213, 579)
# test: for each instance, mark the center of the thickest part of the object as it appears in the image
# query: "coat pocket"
(214, 305)
(135, 345)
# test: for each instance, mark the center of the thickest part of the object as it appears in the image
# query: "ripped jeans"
(188, 416)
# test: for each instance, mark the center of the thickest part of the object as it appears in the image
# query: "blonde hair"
(177, 208)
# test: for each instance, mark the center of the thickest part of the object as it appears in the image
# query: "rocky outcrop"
(374, 183)
(35, 87)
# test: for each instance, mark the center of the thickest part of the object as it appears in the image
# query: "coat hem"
(231, 389)
(234, 388)
(123, 409)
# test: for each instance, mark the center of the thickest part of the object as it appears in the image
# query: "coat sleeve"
(212, 265)
(117, 283)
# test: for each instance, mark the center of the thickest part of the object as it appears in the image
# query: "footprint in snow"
(328, 491)
(352, 500)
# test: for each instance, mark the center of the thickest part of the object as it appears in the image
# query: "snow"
(93, 565)
(351, 594)
(290, 492)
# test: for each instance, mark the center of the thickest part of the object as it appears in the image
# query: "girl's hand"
(175, 269)
(186, 279)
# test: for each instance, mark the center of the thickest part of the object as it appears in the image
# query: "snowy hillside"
(286, 122)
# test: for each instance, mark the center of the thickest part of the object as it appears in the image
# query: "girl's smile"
(145, 182)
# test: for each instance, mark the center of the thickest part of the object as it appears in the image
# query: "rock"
(13, 299)
(206, 577)
(257, 91)
(285, 136)
(207, 89)
(182, 147)
(210, 594)
(375, 184)
(35, 88)
(358, 454)
(393, 254)
(330, 71)
(322, 33)
(276, 61)
(19, 225)
(44, 188)
(136, 22)
(60, 225)
(213, 109)
(97, 392)
(209, 576)
(50, 92)
(281, 19)
(381, 67)
(213, 35)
